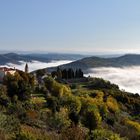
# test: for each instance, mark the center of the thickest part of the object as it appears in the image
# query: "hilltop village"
(7, 70)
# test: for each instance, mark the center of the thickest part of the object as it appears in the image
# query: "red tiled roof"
(6, 69)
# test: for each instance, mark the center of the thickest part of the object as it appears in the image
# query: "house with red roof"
(4, 71)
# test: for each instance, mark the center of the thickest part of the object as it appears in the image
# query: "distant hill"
(16, 58)
(92, 62)
(12, 58)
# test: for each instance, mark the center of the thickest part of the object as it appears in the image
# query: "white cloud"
(128, 78)
(34, 65)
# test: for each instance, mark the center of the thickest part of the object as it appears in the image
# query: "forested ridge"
(88, 63)
(62, 106)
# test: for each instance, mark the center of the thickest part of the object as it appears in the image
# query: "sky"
(70, 26)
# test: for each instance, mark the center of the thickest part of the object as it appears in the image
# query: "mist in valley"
(128, 78)
(35, 65)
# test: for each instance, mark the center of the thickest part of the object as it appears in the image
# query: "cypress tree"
(26, 68)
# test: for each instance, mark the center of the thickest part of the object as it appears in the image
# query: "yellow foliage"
(102, 134)
(38, 100)
(132, 124)
(73, 104)
(86, 101)
(112, 104)
(57, 89)
(98, 100)
(31, 133)
(60, 89)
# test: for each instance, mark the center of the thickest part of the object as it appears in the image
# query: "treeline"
(67, 73)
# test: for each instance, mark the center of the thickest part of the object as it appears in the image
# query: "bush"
(98, 83)
(102, 134)
(53, 104)
(73, 133)
(92, 118)
(60, 120)
(103, 111)
(29, 133)
(132, 124)
(72, 103)
(9, 124)
(20, 84)
(18, 110)
(56, 88)
(112, 105)
(4, 99)
(3, 135)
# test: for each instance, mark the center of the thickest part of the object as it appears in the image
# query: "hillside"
(72, 109)
(16, 58)
(93, 62)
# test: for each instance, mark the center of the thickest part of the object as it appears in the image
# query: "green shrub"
(102, 134)
(92, 118)
(72, 103)
(56, 88)
(29, 133)
(53, 104)
(9, 123)
(59, 120)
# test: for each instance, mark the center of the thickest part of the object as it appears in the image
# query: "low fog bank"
(35, 65)
(128, 78)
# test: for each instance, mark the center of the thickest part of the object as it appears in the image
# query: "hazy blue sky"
(74, 26)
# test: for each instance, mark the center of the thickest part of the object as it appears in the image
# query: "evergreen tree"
(20, 84)
(80, 73)
(64, 74)
(76, 74)
(40, 73)
(70, 73)
(26, 68)
(54, 74)
(59, 73)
